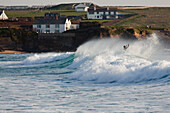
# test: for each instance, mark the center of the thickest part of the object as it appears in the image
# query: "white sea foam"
(105, 60)
(45, 58)
(34, 59)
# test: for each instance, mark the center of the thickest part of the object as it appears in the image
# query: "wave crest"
(105, 61)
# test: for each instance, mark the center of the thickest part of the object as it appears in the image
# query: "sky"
(162, 3)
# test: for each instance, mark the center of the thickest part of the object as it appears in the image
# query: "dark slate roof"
(49, 21)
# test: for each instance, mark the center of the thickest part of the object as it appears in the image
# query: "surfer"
(125, 46)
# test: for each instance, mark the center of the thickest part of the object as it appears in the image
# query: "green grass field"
(156, 17)
(34, 13)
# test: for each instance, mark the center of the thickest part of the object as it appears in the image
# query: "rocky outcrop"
(56, 42)
(29, 41)
(128, 33)
(17, 39)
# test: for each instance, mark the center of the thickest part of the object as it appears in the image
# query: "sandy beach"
(10, 52)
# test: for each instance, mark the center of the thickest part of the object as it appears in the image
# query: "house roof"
(49, 21)
(80, 6)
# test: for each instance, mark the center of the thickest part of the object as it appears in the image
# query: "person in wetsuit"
(125, 46)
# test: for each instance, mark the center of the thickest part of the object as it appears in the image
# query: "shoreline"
(12, 52)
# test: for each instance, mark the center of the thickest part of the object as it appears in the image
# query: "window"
(97, 16)
(57, 26)
(38, 26)
(101, 13)
(112, 13)
(91, 12)
(47, 26)
(67, 28)
(106, 13)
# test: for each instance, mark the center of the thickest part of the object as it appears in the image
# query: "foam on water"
(35, 59)
(38, 83)
(45, 58)
(103, 61)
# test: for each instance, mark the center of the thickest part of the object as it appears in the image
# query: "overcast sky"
(164, 3)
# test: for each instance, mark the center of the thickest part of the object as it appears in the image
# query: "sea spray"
(105, 61)
(45, 58)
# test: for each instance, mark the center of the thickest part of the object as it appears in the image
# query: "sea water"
(100, 77)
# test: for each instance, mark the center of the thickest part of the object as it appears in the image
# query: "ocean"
(100, 77)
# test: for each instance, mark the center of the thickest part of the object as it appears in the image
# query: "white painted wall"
(3, 16)
(67, 24)
(99, 15)
(62, 28)
(54, 28)
(95, 15)
(86, 8)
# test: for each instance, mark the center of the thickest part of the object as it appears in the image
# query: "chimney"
(94, 8)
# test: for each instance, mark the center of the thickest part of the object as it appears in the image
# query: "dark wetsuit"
(125, 46)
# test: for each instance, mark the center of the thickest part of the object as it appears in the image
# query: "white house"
(81, 7)
(3, 16)
(51, 25)
(101, 13)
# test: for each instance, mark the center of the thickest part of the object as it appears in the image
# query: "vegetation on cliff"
(156, 17)
(140, 24)
(24, 40)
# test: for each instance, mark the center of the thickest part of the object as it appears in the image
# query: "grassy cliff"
(156, 17)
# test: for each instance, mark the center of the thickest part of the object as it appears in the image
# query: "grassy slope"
(155, 17)
(33, 13)
(158, 17)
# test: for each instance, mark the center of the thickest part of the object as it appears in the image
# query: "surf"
(105, 61)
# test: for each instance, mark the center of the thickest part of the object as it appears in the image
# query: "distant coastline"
(17, 34)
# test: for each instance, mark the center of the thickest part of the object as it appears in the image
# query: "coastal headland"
(17, 36)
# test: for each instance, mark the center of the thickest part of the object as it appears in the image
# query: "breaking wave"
(102, 61)
(105, 61)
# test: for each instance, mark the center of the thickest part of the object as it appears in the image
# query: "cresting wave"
(40, 59)
(45, 58)
(105, 61)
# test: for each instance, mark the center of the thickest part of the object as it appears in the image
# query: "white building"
(81, 7)
(101, 14)
(51, 25)
(3, 16)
